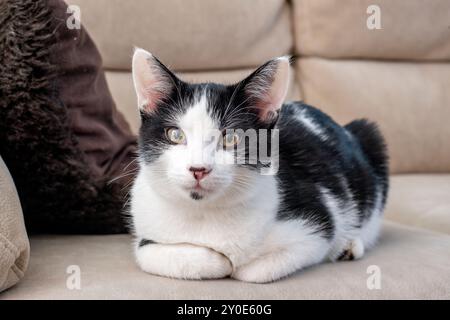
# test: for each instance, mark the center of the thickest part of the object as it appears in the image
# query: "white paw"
(207, 264)
(357, 248)
(253, 272)
(353, 251)
(183, 261)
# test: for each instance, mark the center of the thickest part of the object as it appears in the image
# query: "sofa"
(395, 71)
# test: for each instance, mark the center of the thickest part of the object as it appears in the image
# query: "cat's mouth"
(199, 188)
(198, 191)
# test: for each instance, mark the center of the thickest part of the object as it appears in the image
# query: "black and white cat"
(198, 218)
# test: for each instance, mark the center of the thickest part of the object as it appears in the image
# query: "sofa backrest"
(397, 75)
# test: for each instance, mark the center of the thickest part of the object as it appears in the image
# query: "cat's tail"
(372, 143)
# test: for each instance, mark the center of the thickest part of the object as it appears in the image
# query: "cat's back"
(300, 121)
(322, 161)
(308, 135)
(311, 140)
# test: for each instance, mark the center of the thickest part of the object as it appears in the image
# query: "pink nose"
(199, 173)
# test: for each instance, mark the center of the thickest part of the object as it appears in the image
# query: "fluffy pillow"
(60, 134)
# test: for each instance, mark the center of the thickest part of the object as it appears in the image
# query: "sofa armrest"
(14, 244)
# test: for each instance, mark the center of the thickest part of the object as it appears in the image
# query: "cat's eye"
(230, 139)
(175, 135)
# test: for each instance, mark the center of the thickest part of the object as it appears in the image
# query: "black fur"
(308, 160)
(145, 242)
(196, 196)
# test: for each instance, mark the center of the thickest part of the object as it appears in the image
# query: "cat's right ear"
(152, 80)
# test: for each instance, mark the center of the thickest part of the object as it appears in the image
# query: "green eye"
(230, 139)
(175, 135)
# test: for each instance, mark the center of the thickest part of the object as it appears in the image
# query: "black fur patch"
(145, 242)
(346, 255)
(196, 196)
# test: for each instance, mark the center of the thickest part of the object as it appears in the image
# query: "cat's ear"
(267, 87)
(152, 80)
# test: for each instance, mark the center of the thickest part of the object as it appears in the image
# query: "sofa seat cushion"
(412, 264)
(421, 200)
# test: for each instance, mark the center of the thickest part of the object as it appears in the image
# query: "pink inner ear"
(152, 83)
(152, 97)
(270, 97)
(269, 102)
(267, 108)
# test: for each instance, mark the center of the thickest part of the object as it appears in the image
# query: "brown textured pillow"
(60, 133)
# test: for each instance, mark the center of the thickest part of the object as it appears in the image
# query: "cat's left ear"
(153, 81)
(267, 87)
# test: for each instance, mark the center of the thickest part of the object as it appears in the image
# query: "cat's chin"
(199, 193)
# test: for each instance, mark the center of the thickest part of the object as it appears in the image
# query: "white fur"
(309, 123)
(371, 229)
(345, 217)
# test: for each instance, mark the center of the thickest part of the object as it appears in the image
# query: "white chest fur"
(238, 231)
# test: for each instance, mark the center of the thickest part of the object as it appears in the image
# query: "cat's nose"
(199, 172)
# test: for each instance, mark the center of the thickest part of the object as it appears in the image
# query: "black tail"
(372, 144)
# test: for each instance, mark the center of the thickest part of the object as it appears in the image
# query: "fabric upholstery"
(189, 35)
(421, 200)
(410, 101)
(413, 264)
(14, 245)
(121, 85)
(410, 30)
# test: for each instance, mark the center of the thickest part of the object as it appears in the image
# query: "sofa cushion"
(413, 264)
(421, 200)
(410, 101)
(121, 85)
(14, 245)
(412, 29)
(199, 35)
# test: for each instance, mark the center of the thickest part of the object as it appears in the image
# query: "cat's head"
(204, 141)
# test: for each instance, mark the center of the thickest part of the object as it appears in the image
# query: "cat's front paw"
(208, 264)
(183, 261)
(253, 273)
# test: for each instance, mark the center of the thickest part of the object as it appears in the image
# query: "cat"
(195, 218)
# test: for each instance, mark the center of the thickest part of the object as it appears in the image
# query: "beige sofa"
(398, 75)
